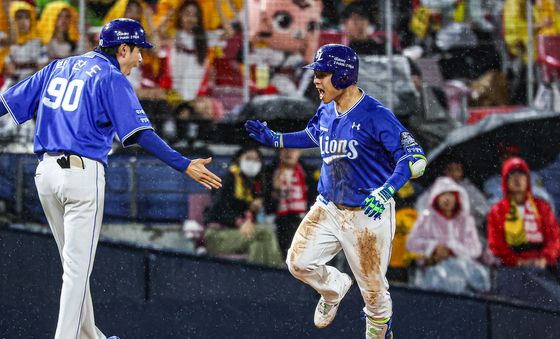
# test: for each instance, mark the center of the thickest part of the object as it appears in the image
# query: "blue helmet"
(341, 60)
(121, 31)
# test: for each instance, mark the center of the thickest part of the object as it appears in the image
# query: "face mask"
(250, 167)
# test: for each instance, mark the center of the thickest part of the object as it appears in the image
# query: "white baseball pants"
(73, 201)
(325, 230)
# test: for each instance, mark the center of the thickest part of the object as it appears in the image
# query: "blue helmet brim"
(145, 44)
(317, 66)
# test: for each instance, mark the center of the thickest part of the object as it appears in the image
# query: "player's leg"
(367, 246)
(316, 243)
(83, 198)
(313, 245)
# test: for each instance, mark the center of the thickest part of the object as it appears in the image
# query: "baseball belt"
(71, 161)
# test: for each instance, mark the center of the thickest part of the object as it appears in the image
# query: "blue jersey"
(81, 102)
(360, 148)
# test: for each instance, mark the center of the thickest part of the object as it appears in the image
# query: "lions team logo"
(332, 149)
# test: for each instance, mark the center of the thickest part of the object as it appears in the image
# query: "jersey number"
(65, 94)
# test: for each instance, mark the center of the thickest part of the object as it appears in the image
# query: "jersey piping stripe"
(91, 246)
(93, 53)
(351, 108)
(403, 157)
(311, 136)
(134, 131)
(9, 109)
(393, 223)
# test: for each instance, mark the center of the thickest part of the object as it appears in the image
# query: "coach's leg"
(367, 246)
(315, 243)
(84, 202)
(47, 188)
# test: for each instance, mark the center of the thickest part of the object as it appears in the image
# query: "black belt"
(66, 160)
(340, 206)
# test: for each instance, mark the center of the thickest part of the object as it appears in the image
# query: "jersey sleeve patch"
(409, 144)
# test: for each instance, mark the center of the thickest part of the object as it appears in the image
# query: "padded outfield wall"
(150, 293)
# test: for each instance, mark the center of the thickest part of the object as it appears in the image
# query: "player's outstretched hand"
(198, 171)
(374, 204)
(259, 131)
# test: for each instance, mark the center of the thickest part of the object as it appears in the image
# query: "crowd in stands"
(454, 50)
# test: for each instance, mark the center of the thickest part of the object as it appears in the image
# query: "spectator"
(4, 36)
(27, 54)
(137, 10)
(516, 37)
(186, 54)
(522, 230)
(357, 27)
(59, 29)
(493, 186)
(290, 196)
(234, 217)
(478, 202)
(184, 128)
(546, 18)
(405, 216)
(227, 9)
(446, 236)
(445, 228)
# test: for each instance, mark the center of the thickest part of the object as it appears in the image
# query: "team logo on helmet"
(319, 55)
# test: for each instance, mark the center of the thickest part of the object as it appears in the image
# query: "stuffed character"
(284, 35)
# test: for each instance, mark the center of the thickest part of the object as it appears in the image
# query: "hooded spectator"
(522, 229)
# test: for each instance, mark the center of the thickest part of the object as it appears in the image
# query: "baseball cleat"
(379, 329)
(324, 312)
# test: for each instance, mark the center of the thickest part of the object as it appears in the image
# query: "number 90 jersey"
(360, 148)
(81, 102)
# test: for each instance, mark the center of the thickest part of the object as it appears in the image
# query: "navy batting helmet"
(341, 60)
(123, 31)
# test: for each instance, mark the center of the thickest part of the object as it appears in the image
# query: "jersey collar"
(338, 115)
(111, 59)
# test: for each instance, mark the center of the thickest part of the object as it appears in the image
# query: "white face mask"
(250, 167)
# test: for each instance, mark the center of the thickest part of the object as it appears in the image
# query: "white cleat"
(379, 329)
(325, 313)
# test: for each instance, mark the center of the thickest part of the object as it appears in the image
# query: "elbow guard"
(417, 164)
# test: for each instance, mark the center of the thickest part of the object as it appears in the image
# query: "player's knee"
(297, 265)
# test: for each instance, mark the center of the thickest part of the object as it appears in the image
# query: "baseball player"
(367, 157)
(81, 102)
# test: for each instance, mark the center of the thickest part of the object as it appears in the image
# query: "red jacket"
(496, 220)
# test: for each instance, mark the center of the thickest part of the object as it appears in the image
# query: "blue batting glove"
(374, 204)
(260, 132)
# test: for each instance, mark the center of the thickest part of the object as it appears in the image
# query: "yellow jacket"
(400, 256)
(16, 6)
(49, 17)
(546, 11)
(119, 9)
(211, 18)
(515, 25)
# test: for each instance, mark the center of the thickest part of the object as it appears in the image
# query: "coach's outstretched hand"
(198, 171)
(260, 132)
